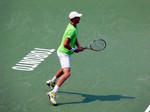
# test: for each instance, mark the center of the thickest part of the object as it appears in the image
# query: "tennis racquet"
(96, 45)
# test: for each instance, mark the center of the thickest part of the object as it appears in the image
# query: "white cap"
(74, 14)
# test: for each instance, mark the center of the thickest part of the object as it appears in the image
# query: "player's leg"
(62, 57)
(62, 78)
(51, 83)
(63, 74)
(59, 73)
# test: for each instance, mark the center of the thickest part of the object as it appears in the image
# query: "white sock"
(55, 89)
(54, 79)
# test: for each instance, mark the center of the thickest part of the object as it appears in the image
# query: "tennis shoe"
(50, 84)
(52, 98)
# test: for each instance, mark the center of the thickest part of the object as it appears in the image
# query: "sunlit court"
(115, 78)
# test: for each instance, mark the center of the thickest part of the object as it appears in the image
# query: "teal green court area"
(114, 80)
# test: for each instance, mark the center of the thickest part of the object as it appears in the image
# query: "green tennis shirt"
(70, 32)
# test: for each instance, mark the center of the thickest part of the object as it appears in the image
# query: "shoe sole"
(51, 101)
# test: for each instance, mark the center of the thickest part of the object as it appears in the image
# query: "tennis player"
(68, 46)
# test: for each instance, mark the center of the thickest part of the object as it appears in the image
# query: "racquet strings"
(98, 45)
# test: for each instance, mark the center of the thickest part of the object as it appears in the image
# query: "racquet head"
(97, 45)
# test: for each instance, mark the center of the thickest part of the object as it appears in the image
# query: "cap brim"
(79, 15)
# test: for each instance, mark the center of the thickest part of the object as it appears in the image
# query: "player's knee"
(67, 72)
(67, 75)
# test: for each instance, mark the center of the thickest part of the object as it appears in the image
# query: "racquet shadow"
(87, 98)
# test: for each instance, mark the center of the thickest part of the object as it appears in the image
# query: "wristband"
(72, 49)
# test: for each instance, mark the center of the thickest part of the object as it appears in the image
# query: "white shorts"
(64, 59)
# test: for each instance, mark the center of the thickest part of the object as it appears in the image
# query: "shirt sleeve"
(70, 33)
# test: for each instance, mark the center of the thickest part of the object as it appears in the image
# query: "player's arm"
(77, 43)
(67, 45)
(79, 46)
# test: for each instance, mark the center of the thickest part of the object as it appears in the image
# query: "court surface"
(114, 80)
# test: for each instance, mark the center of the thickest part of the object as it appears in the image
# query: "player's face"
(77, 19)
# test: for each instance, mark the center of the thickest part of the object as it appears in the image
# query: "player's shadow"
(87, 98)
